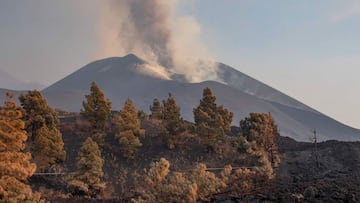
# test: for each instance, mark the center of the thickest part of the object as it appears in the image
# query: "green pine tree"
(156, 110)
(88, 177)
(128, 129)
(261, 128)
(211, 121)
(173, 123)
(46, 144)
(96, 109)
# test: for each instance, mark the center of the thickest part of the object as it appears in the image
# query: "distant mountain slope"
(123, 72)
(7, 81)
(122, 77)
(245, 83)
(4, 91)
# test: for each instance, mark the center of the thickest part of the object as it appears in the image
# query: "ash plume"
(151, 30)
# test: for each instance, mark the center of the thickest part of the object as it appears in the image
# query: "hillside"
(193, 163)
(247, 84)
(123, 77)
(298, 178)
(129, 76)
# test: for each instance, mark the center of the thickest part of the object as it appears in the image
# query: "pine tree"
(96, 109)
(261, 128)
(88, 177)
(156, 110)
(15, 166)
(173, 123)
(46, 144)
(128, 129)
(211, 121)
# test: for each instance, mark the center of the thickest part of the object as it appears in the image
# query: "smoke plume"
(151, 30)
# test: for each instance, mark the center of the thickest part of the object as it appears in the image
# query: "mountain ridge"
(123, 77)
(245, 83)
(120, 78)
(7, 81)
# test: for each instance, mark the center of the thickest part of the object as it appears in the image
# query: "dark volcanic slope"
(120, 78)
(109, 72)
(245, 83)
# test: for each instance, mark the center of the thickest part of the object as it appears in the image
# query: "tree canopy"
(173, 123)
(211, 120)
(128, 129)
(156, 110)
(96, 109)
(46, 144)
(88, 177)
(259, 142)
(15, 165)
(261, 128)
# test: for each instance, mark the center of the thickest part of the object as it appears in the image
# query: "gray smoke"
(150, 29)
(150, 21)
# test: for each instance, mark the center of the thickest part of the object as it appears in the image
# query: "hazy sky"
(309, 49)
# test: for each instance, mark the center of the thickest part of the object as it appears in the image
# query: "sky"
(308, 49)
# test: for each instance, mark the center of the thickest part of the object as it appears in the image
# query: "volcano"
(131, 77)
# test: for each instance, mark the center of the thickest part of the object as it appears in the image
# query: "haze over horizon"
(308, 50)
